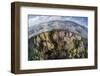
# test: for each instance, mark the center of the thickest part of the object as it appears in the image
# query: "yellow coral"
(38, 39)
(46, 35)
(42, 36)
(50, 45)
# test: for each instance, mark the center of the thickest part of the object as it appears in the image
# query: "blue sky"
(37, 19)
